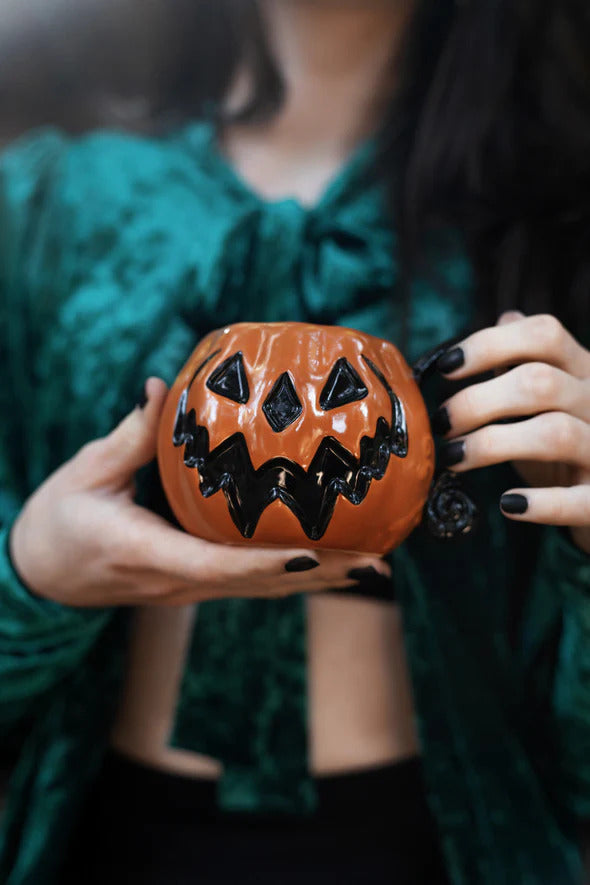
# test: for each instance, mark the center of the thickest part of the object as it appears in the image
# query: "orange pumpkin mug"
(303, 435)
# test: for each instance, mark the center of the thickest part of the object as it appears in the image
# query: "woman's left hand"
(549, 379)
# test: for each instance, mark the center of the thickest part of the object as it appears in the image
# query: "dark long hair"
(489, 130)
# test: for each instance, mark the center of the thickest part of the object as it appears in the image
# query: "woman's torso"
(360, 705)
(359, 695)
(179, 245)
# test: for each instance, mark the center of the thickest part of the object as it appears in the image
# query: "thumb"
(133, 442)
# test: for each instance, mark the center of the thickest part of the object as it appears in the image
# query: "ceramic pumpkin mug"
(303, 435)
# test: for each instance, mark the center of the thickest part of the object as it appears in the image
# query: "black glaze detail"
(229, 379)
(282, 406)
(399, 429)
(310, 494)
(343, 386)
(450, 512)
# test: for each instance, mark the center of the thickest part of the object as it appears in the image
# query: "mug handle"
(449, 511)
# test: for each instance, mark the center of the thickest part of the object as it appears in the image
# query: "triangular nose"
(282, 406)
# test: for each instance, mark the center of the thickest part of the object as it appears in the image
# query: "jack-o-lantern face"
(293, 434)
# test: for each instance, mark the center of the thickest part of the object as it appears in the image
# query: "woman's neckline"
(338, 183)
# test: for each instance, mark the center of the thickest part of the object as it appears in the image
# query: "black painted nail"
(142, 400)
(452, 453)
(514, 503)
(301, 564)
(450, 360)
(440, 421)
(363, 574)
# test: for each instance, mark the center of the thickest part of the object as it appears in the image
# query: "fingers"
(275, 586)
(540, 337)
(179, 556)
(268, 588)
(552, 506)
(550, 437)
(338, 566)
(113, 459)
(526, 390)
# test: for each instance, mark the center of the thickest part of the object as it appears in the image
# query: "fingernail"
(142, 400)
(440, 421)
(363, 574)
(452, 453)
(301, 564)
(450, 360)
(514, 503)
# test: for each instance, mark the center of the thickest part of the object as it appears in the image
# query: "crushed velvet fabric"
(117, 253)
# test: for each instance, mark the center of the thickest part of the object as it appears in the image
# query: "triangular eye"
(343, 386)
(229, 379)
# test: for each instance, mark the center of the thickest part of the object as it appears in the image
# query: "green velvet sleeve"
(563, 571)
(40, 640)
(556, 649)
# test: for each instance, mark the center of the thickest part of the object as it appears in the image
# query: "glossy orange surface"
(302, 358)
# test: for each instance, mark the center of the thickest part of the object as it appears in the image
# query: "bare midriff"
(360, 701)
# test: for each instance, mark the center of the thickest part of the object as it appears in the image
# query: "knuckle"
(547, 332)
(93, 448)
(153, 592)
(280, 591)
(466, 403)
(205, 573)
(541, 380)
(166, 592)
(483, 445)
(90, 455)
(125, 548)
(558, 510)
(118, 554)
(549, 505)
(559, 432)
(157, 593)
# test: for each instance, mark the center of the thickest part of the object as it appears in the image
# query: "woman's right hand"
(81, 540)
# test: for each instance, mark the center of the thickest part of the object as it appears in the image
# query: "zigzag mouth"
(310, 494)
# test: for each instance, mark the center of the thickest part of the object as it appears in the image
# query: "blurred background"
(86, 63)
(80, 64)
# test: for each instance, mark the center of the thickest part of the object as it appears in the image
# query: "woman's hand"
(82, 541)
(546, 377)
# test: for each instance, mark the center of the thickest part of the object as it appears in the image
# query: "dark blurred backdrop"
(83, 63)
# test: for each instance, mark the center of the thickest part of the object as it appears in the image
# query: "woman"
(278, 738)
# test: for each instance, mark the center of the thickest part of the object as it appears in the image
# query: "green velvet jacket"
(117, 253)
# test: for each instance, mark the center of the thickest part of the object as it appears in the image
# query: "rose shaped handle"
(449, 511)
